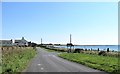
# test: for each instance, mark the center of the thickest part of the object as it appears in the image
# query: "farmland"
(16, 59)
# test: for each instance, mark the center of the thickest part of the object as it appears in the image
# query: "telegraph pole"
(70, 39)
(70, 43)
(41, 41)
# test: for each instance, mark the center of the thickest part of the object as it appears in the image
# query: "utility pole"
(70, 43)
(70, 39)
(41, 41)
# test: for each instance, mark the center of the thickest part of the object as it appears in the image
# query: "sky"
(90, 23)
(60, 0)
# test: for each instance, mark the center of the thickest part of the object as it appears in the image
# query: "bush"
(78, 50)
(102, 53)
(85, 49)
(61, 50)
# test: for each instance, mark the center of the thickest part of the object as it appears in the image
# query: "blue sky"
(88, 22)
(60, 0)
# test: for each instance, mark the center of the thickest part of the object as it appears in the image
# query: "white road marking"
(51, 55)
(39, 64)
(42, 68)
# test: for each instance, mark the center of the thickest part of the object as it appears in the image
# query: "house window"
(16, 42)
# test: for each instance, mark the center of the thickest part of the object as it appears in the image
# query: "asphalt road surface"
(46, 61)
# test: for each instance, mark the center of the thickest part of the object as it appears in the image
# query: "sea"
(94, 47)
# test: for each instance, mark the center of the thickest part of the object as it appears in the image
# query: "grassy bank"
(16, 60)
(0, 69)
(103, 63)
(0, 63)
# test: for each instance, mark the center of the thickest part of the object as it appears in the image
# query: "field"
(103, 63)
(16, 59)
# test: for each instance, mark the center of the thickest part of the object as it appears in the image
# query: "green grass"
(103, 63)
(0, 69)
(0, 64)
(16, 60)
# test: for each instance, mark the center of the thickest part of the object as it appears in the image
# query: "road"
(46, 61)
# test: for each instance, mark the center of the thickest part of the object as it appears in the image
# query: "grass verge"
(16, 60)
(103, 63)
(0, 69)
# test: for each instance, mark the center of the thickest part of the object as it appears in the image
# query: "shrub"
(85, 49)
(102, 53)
(78, 50)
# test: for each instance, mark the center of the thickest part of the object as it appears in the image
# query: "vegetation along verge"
(16, 59)
(103, 63)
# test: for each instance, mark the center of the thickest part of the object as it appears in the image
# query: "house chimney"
(22, 38)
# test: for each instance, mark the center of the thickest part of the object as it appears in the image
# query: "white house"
(6, 42)
(21, 42)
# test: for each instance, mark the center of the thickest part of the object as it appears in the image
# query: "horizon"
(90, 23)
